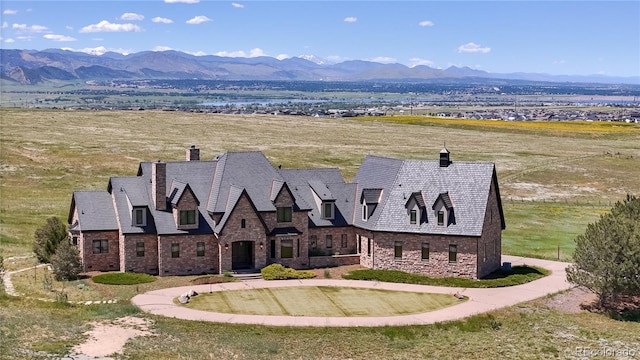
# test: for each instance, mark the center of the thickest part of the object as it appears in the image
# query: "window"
(453, 253)
(425, 251)
(200, 249)
(297, 247)
(286, 248)
(74, 240)
(140, 249)
(440, 217)
(413, 216)
(327, 210)
(187, 217)
(329, 241)
(175, 250)
(397, 249)
(100, 246)
(369, 247)
(243, 223)
(284, 214)
(358, 244)
(365, 212)
(313, 241)
(343, 241)
(138, 217)
(273, 249)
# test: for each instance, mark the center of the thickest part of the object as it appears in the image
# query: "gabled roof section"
(371, 196)
(276, 186)
(418, 198)
(446, 200)
(177, 189)
(235, 193)
(249, 170)
(321, 190)
(95, 211)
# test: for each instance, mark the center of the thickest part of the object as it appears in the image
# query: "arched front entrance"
(242, 255)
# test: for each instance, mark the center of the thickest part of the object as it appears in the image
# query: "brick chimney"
(159, 184)
(193, 153)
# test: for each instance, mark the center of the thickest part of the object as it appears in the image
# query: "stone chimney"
(193, 153)
(159, 184)
(445, 161)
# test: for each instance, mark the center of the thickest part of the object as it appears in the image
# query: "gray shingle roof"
(95, 211)
(467, 183)
(304, 183)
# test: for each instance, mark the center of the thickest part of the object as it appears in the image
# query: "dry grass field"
(554, 179)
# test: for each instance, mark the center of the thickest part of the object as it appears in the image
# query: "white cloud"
(237, 6)
(68, 27)
(55, 37)
(239, 53)
(100, 50)
(105, 26)
(161, 48)
(384, 60)
(31, 29)
(5, 25)
(182, 1)
(350, 19)
(198, 20)
(282, 56)
(9, 12)
(197, 53)
(9, 41)
(132, 17)
(334, 59)
(473, 48)
(158, 19)
(24, 38)
(257, 52)
(426, 23)
(413, 62)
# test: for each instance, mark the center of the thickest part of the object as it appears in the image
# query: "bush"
(66, 262)
(123, 278)
(279, 272)
(516, 276)
(48, 237)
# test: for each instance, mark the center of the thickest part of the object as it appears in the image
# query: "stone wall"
(233, 231)
(333, 260)
(490, 243)
(437, 265)
(336, 233)
(131, 262)
(188, 263)
(109, 261)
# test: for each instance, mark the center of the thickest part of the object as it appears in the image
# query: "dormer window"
(327, 210)
(365, 212)
(187, 217)
(444, 210)
(284, 214)
(413, 216)
(139, 217)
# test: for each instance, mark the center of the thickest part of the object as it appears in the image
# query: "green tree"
(607, 255)
(47, 238)
(66, 262)
(1, 274)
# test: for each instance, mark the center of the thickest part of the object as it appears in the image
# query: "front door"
(242, 255)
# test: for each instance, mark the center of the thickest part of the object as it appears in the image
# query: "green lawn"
(320, 301)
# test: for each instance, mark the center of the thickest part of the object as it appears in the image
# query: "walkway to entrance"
(160, 302)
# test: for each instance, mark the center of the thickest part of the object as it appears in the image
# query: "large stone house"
(237, 211)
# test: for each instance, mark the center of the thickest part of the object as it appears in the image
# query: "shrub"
(279, 272)
(48, 237)
(66, 262)
(123, 278)
(516, 276)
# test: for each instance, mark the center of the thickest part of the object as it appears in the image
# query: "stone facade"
(139, 253)
(177, 255)
(343, 241)
(103, 258)
(490, 243)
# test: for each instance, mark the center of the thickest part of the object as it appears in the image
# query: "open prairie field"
(554, 177)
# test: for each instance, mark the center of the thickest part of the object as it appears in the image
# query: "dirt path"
(108, 338)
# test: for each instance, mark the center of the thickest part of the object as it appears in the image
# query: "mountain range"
(33, 67)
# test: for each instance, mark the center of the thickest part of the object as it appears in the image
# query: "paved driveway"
(160, 302)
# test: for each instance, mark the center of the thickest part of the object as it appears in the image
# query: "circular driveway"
(161, 302)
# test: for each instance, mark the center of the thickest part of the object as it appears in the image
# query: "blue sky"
(555, 37)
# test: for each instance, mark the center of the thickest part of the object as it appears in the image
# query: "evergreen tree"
(66, 262)
(47, 238)
(607, 255)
